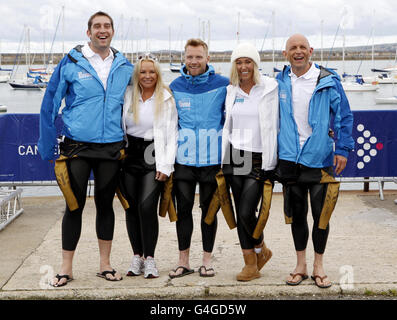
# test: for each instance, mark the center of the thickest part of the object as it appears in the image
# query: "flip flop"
(206, 270)
(59, 277)
(185, 272)
(104, 273)
(314, 278)
(292, 283)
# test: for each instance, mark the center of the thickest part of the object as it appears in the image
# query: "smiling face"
(196, 59)
(245, 69)
(298, 52)
(100, 33)
(147, 75)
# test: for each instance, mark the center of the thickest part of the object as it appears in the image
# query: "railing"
(10, 206)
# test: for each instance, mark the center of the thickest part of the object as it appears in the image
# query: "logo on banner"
(368, 146)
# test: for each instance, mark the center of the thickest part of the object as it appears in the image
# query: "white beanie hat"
(246, 50)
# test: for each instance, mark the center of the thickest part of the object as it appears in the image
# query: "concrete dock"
(360, 258)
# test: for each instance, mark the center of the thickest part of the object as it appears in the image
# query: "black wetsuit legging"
(143, 193)
(299, 206)
(185, 180)
(245, 177)
(247, 192)
(106, 173)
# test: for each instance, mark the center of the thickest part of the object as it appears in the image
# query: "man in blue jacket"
(92, 79)
(311, 100)
(200, 96)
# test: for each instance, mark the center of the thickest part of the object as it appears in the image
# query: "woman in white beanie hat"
(249, 152)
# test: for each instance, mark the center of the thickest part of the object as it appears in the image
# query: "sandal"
(185, 272)
(292, 283)
(59, 277)
(202, 274)
(105, 273)
(322, 286)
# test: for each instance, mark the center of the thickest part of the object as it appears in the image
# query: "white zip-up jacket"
(268, 121)
(165, 131)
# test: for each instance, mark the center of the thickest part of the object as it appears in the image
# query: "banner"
(19, 156)
(374, 155)
(375, 150)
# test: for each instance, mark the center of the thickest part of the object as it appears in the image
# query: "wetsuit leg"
(148, 204)
(247, 193)
(317, 197)
(106, 175)
(132, 184)
(299, 206)
(184, 194)
(208, 232)
(79, 173)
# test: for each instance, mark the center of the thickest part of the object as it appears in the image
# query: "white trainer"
(136, 267)
(150, 268)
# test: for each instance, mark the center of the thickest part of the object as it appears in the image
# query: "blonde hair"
(137, 90)
(234, 78)
(196, 43)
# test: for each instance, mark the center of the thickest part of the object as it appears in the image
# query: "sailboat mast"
(147, 35)
(169, 42)
(322, 31)
(343, 53)
(209, 35)
(63, 31)
(238, 27)
(43, 47)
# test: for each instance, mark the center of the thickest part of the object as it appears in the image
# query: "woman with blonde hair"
(249, 150)
(150, 122)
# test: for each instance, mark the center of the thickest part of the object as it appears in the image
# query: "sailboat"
(358, 85)
(30, 82)
(175, 67)
(387, 100)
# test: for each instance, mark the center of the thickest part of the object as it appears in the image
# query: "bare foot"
(62, 279)
(296, 276)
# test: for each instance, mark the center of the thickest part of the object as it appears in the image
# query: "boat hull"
(32, 86)
(360, 87)
(391, 100)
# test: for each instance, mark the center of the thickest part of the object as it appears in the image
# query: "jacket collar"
(268, 83)
(201, 78)
(76, 55)
(325, 77)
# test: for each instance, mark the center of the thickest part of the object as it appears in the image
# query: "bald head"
(297, 37)
(298, 52)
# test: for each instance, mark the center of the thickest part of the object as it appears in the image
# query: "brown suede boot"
(250, 270)
(263, 257)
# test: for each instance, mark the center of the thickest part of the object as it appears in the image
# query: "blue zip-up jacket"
(91, 113)
(328, 101)
(200, 102)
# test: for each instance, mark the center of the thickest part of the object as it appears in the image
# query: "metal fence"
(10, 206)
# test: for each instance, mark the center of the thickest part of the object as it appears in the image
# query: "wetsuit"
(93, 137)
(306, 166)
(200, 105)
(145, 157)
(249, 162)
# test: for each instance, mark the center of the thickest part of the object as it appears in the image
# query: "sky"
(149, 25)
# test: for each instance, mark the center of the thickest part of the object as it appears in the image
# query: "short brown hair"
(99, 13)
(196, 43)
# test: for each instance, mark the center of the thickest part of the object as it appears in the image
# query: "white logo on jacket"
(84, 75)
(184, 103)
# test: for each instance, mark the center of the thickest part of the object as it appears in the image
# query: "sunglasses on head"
(147, 56)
